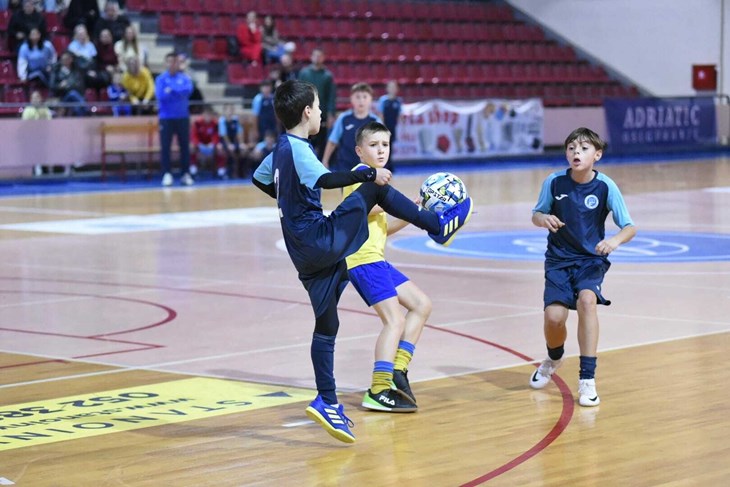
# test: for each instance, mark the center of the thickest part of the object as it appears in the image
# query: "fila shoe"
(332, 419)
(400, 380)
(587, 395)
(389, 400)
(544, 372)
(451, 221)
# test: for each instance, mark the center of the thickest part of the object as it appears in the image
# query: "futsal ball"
(441, 191)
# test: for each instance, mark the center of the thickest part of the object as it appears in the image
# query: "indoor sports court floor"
(160, 337)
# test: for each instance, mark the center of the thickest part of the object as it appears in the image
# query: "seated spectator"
(129, 47)
(67, 83)
(112, 20)
(286, 68)
(35, 59)
(21, 22)
(273, 46)
(249, 39)
(37, 110)
(263, 149)
(81, 12)
(117, 94)
(230, 133)
(139, 84)
(85, 52)
(205, 140)
(262, 108)
(106, 57)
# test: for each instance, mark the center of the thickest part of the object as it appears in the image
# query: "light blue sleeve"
(264, 174)
(381, 103)
(308, 167)
(337, 130)
(545, 200)
(376, 117)
(256, 104)
(616, 203)
(222, 127)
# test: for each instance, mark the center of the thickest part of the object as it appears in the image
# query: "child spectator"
(36, 57)
(139, 84)
(262, 107)
(117, 94)
(389, 107)
(250, 39)
(67, 83)
(230, 133)
(263, 148)
(204, 138)
(37, 110)
(343, 132)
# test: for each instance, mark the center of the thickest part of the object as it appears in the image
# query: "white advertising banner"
(454, 129)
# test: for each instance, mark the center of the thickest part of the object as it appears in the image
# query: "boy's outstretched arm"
(605, 247)
(340, 179)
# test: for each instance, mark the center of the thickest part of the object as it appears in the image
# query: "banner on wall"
(446, 130)
(646, 122)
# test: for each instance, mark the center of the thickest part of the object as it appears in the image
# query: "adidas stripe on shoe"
(332, 419)
(451, 221)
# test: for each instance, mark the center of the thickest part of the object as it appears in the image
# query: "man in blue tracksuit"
(173, 89)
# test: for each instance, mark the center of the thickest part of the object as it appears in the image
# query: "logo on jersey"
(591, 201)
(560, 197)
(350, 126)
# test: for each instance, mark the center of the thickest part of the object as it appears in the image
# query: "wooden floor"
(161, 338)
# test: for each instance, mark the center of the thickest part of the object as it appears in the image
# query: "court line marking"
(51, 211)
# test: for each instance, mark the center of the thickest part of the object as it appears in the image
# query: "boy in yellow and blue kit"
(386, 289)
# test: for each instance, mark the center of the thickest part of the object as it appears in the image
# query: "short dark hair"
(290, 100)
(370, 128)
(588, 135)
(361, 86)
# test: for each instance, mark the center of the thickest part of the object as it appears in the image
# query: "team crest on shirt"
(591, 201)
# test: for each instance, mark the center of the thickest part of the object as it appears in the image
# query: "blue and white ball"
(441, 191)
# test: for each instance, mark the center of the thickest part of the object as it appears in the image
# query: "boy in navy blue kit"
(573, 205)
(318, 245)
(343, 132)
(390, 106)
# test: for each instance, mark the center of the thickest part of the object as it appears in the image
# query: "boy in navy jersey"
(573, 205)
(389, 106)
(318, 244)
(343, 132)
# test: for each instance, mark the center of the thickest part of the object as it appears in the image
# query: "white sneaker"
(587, 393)
(544, 372)
(187, 180)
(167, 179)
(193, 169)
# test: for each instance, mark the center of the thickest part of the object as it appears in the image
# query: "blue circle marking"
(646, 247)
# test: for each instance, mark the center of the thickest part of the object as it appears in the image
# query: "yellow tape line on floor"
(131, 408)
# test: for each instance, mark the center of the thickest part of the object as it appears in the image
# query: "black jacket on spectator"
(116, 27)
(82, 12)
(21, 22)
(64, 80)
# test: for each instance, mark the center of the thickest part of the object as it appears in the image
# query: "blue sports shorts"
(376, 282)
(564, 281)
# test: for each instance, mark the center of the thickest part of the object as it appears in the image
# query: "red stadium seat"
(4, 20)
(7, 72)
(14, 95)
(239, 74)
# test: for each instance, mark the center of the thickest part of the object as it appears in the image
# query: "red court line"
(552, 435)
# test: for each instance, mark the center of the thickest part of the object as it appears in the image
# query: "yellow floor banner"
(131, 408)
